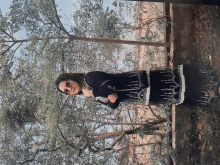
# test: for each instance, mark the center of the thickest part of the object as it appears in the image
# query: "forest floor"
(197, 32)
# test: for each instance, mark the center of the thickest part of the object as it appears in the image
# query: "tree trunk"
(156, 44)
(71, 38)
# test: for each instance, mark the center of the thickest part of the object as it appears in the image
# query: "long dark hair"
(77, 77)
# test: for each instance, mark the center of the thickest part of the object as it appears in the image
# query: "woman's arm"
(109, 104)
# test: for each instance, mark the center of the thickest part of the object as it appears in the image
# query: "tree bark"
(72, 38)
(156, 44)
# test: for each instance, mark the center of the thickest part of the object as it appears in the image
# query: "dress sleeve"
(114, 105)
(102, 85)
(107, 87)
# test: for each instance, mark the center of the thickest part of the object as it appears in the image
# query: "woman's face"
(69, 87)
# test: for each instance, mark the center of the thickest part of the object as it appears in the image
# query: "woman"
(109, 89)
(187, 84)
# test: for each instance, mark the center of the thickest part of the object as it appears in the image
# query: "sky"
(4, 6)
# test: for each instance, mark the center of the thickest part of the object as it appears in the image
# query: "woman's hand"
(113, 97)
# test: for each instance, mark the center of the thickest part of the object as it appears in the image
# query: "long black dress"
(185, 84)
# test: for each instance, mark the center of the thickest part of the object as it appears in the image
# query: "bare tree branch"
(7, 49)
(119, 138)
(35, 154)
(8, 34)
(62, 69)
(30, 160)
(122, 134)
(61, 133)
(58, 19)
(129, 116)
(60, 25)
(72, 145)
(64, 102)
(153, 112)
(101, 136)
(67, 142)
(18, 47)
(118, 123)
(107, 153)
(98, 127)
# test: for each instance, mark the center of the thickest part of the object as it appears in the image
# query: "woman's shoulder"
(94, 78)
(93, 74)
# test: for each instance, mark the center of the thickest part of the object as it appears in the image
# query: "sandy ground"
(148, 11)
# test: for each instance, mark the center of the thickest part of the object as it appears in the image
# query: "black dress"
(185, 84)
(130, 86)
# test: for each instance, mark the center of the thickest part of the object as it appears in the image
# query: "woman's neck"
(87, 92)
